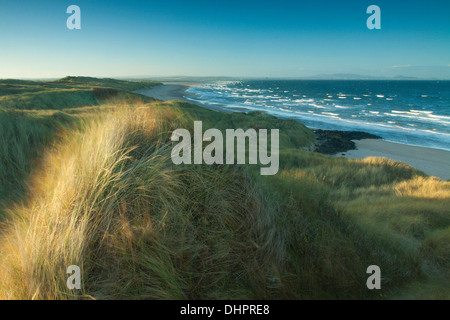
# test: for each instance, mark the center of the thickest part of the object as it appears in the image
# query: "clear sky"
(224, 38)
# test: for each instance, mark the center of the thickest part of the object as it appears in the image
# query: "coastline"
(434, 162)
(178, 91)
(167, 92)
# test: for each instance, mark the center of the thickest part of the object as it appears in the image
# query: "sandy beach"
(168, 91)
(433, 162)
(178, 91)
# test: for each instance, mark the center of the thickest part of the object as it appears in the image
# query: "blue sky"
(224, 38)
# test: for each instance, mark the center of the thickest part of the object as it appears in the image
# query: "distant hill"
(352, 76)
(323, 76)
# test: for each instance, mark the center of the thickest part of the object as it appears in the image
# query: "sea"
(409, 112)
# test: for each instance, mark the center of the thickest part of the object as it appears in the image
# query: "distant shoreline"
(434, 162)
(178, 91)
(167, 92)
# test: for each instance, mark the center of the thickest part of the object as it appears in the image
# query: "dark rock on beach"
(333, 141)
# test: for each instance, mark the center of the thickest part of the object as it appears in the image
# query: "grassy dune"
(68, 92)
(88, 180)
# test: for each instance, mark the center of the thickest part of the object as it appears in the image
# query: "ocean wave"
(341, 107)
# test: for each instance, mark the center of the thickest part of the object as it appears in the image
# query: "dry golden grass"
(424, 187)
(108, 199)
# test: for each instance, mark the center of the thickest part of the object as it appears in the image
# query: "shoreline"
(167, 92)
(434, 162)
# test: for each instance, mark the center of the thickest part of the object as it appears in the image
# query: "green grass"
(91, 183)
(31, 118)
